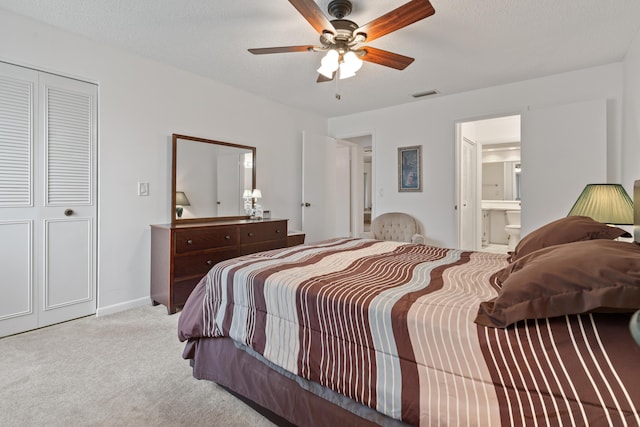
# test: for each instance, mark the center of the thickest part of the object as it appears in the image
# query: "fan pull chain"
(337, 79)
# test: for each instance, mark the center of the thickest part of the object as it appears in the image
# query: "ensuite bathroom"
(501, 167)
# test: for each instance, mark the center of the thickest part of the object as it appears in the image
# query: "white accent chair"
(395, 226)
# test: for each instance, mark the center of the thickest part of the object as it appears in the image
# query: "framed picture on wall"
(410, 168)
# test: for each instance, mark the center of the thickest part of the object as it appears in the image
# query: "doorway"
(488, 175)
(363, 183)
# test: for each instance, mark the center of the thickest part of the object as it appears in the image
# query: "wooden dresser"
(182, 254)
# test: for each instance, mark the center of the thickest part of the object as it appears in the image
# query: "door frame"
(477, 211)
(357, 179)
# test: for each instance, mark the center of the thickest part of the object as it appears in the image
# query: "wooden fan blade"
(322, 78)
(388, 59)
(312, 13)
(398, 18)
(284, 49)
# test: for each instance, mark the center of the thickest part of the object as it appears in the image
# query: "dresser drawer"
(263, 231)
(263, 246)
(188, 240)
(199, 264)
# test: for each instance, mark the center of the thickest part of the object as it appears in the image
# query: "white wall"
(631, 119)
(141, 103)
(431, 123)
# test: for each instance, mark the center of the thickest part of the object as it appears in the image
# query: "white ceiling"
(467, 44)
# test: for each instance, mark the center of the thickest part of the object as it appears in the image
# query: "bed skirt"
(292, 399)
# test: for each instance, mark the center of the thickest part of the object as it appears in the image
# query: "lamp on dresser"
(181, 200)
(257, 209)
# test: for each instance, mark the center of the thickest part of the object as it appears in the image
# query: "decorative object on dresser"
(181, 200)
(256, 212)
(248, 202)
(182, 254)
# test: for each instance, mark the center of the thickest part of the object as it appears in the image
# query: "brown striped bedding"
(391, 325)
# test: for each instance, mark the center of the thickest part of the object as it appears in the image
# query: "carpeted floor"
(123, 369)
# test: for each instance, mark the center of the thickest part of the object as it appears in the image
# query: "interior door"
(68, 144)
(48, 142)
(18, 118)
(557, 164)
(318, 187)
(467, 204)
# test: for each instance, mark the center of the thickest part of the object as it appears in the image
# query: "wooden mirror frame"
(174, 151)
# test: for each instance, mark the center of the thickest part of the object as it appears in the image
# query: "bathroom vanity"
(494, 220)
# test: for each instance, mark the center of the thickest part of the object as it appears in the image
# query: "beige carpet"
(124, 369)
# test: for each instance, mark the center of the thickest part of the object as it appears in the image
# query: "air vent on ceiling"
(427, 93)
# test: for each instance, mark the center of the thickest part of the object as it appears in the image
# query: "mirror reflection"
(501, 167)
(210, 178)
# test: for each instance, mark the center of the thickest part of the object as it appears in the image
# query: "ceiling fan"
(342, 38)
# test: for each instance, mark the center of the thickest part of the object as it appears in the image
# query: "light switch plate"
(143, 188)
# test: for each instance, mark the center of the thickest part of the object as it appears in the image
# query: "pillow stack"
(569, 266)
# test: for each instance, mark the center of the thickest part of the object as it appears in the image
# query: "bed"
(366, 332)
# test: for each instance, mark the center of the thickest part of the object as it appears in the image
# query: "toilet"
(513, 229)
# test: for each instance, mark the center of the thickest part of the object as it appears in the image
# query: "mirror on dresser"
(209, 179)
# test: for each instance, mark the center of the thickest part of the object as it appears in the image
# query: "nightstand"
(295, 238)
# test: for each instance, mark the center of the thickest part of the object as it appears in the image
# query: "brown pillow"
(565, 230)
(573, 278)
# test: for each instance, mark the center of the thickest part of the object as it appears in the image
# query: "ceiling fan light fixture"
(351, 61)
(340, 37)
(329, 64)
(349, 65)
(345, 72)
(326, 72)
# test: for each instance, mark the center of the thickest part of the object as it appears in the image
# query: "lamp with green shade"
(609, 204)
(606, 203)
(181, 200)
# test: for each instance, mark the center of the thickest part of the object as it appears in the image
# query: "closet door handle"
(68, 212)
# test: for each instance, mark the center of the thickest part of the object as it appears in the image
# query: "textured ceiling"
(467, 44)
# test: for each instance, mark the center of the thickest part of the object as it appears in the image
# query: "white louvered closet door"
(48, 141)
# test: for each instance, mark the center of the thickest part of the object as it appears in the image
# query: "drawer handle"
(227, 237)
(277, 231)
(189, 242)
(250, 234)
(209, 262)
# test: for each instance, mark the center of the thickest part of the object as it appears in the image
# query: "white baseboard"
(104, 311)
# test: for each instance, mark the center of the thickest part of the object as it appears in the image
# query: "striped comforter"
(390, 325)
